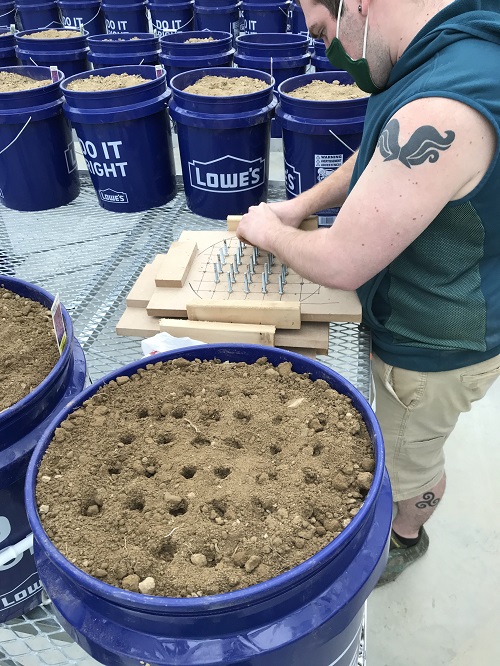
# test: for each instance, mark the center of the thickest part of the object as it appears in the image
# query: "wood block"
(175, 267)
(209, 331)
(157, 260)
(135, 321)
(314, 335)
(309, 224)
(310, 353)
(140, 294)
(275, 313)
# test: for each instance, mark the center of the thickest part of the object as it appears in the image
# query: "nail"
(216, 271)
(229, 284)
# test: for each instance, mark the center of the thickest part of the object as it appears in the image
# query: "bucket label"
(58, 323)
(227, 174)
(115, 26)
(73, 22)
(70, 155)
(102, 158)
(250, 27)
(292, 180)
(111, 196)
(326, 164)
(168, 27)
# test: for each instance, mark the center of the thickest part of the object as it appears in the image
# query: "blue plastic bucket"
(319, 59)
(169, 18)
(21, 426)
(7, 13)
(260, 17)
(223, 143)
(318, 136)
(298, 23)
(126, 139)
(177, 56)
(7, 47)
(126, 17)
(310, 614)
(38, 15)
(38, 167)
(69, 54)
(136, 48)
(86, 13)
(218, 18)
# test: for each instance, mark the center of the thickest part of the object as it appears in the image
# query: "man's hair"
(332, 6)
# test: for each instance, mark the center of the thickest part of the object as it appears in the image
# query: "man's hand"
(260, 227)
(288, 212)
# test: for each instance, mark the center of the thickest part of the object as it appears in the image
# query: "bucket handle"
(285, 11)
(94, 17)
(185, 24)
(342, 142)
(13, 552)
(17, 137)
(9, 12)
(51, 23)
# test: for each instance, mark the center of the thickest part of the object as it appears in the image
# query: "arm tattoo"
(428, 500)
(424, 144)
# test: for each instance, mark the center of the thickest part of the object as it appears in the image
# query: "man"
(418, 234)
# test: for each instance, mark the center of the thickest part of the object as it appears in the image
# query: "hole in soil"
(200, 440)
(233, 442)
(242, 414)
(219, 507)
(135, 503)
(114, 468)
(126, 438)
(318, 449)
(180, 509)
(222, 391)
(142, 413)
(310, 476)
(165, 438)
(275, 448)
(166, 551)
(277, 419)
(150, 471)
(188, 471)
(178, 412)
(222, 472)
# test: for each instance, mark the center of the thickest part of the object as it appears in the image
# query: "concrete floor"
(445, 609)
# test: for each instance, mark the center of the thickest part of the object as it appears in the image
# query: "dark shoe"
(401, 556)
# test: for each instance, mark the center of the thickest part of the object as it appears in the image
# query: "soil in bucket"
(28, 348)
(324, 91)
(54, 34)
(194, 478)
(220, 86)
(111, 82)
(11, 82)
(199, 40)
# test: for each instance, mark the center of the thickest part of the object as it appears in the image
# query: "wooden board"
(135, 322)
(274, 313)
(140, 294)
(317, 303)
(175, 267)
(217, 332)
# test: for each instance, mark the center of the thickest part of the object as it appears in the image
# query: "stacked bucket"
(125, 16)
(218, 15)
(86, 14)
(171, 16)
(34, 15)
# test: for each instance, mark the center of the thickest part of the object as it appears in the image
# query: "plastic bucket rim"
(85, 75)
(36, 68)
(215, 72)
(256, 39)
(247, 595)
(24, 34)
(62, 361)
(314, 76)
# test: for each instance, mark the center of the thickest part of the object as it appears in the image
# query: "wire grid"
(92, 258)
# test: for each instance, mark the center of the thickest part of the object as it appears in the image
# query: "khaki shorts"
(417, 411)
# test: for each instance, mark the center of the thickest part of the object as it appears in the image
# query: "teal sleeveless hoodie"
(437, 305)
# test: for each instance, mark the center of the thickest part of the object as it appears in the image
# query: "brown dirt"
(54, 34)
(222, 86)
(197, 40)
(4, 34)
(111, 82)
(10, 82)
(121, 39)
(322, 90)
(28, 348)
(205, 477)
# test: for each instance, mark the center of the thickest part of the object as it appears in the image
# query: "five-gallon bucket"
(264, 17)
(224, 143)
(126, 48)
(38, 167)
(21, 426)
(69, 54)
(180, 56)
(225, 18)
(311, 614)
(86, 13)
(319, 60)
(38, 15)
(7, 13)
(7, 47)
(171, 17)
(125, 17)
(298, 23)
(126, 139)
(318, 136)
